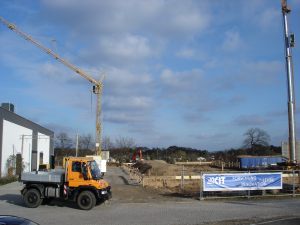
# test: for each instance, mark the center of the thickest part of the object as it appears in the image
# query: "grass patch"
(6, 180)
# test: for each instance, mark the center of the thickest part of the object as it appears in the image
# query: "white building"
(21, 136)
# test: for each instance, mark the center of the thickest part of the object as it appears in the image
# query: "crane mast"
(289, 44)
(97, 85)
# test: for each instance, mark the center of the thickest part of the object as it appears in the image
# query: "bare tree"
(255, 137)
(85, 141)
(63, 140)
(107, 144)
(124, 143)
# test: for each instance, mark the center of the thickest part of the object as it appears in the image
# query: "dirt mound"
(162, 168)
(143, 167)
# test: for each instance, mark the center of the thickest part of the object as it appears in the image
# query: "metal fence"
(290, 186)
(192, 184)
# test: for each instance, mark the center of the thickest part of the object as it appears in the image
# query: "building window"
(41, 158)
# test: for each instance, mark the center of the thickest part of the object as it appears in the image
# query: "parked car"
(15, 220)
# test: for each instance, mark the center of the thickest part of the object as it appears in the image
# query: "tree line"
(256, 142)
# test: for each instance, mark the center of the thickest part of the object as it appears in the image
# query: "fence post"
(248, 194)
(182, 179)
(294, 191)
(201, 187)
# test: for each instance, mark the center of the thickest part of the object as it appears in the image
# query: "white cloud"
(128, 98)
(261, 14)
(181, 81)
(249, 73)
(140, 103)
(186, 53)
(124, 118)
(119, 16)
(121, 33)
(122, 82)
(261, 72)
(129, 46)
(189, 53)
(187, 19)
(124, 49)
(190, 93)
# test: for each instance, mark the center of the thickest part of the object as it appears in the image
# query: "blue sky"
(187, 73)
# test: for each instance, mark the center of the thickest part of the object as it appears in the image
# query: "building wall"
(37, 139)
(43, 147)
(13, 144)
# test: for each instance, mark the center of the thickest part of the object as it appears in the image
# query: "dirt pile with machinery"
(167, 178)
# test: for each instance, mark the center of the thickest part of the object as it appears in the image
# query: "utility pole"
(289, 43)
(77, 144)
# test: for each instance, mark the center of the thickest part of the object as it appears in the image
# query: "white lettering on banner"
(241, 178)
(268, 180)
(216, 180)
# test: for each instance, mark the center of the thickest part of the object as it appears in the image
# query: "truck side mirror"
(84, 171)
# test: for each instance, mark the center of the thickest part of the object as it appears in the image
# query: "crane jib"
(97, 84)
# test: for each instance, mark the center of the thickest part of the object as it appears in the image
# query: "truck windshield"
(95, 170)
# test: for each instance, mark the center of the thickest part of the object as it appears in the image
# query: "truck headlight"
(103, 192)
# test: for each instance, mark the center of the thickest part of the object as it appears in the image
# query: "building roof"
(15, 118)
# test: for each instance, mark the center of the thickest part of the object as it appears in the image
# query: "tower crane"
(97, 85)
(289, 42)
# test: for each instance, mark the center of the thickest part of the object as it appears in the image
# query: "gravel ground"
(134, 205)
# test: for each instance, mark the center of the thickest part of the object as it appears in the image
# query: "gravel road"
(133, 205)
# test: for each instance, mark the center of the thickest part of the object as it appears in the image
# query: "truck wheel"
(86, 200)
(32, 198)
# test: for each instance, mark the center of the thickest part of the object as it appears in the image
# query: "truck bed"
(54, 176)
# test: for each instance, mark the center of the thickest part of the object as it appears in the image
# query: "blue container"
(248, 162)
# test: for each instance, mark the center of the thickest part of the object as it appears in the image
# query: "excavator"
(137, 156)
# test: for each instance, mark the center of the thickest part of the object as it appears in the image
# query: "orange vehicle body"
(81, 181)
(76, 179)
(137, 156)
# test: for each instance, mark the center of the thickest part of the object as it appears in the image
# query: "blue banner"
(242, 181)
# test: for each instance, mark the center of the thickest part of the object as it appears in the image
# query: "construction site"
(103, 176)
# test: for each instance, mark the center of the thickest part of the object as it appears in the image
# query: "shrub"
(8, 179)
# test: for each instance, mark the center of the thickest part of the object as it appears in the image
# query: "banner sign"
(242, 181)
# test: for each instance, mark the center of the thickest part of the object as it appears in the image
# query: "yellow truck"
(80, 181)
